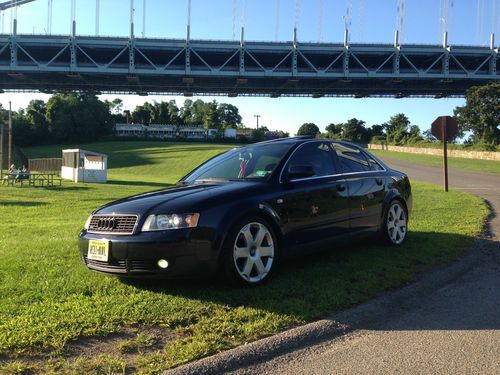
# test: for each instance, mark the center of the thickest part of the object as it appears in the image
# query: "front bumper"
(138, 255)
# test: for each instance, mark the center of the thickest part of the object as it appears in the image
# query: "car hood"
(175, 199)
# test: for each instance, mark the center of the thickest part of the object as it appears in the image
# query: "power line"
(235, 6)
(297, 13)
(320, 19)
(277, 30)
(362, 13)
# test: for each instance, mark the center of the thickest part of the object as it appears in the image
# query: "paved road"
(447, 323)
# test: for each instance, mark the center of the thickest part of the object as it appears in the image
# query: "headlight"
(167, 222)
(87, 223)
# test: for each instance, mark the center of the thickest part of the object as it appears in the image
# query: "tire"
(395, 226)
(250, 252)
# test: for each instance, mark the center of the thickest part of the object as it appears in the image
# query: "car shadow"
(315, 286)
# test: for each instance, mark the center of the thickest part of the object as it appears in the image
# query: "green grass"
(50, 301)
(490, 166)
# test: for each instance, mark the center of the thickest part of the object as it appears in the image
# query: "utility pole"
(1, 151)
(10, 134)
(257, 117)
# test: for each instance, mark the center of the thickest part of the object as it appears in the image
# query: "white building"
(130, 130)
(192, 132)
(161, 131)
(229, 133)
(84, 166)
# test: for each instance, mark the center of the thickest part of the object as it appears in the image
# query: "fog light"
(162, 263)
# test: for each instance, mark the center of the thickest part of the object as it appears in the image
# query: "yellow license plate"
(98, 250)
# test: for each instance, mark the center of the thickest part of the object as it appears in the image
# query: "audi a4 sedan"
(244, 211)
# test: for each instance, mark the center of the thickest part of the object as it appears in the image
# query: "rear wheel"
(395, 223)
(250, 252)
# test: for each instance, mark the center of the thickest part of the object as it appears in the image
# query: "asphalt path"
(446, 323)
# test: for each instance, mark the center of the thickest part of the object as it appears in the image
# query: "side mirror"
(299, 171)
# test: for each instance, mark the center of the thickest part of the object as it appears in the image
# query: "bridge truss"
(195, 67)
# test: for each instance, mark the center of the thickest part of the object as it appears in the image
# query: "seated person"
(11, 176)
(24, 173)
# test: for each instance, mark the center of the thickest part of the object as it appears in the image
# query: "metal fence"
(52, 165)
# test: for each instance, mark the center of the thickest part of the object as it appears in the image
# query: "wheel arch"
(391, 195)
(261, 210)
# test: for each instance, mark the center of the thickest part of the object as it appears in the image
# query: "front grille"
(114, 266)
(123, 266)
(116, 224)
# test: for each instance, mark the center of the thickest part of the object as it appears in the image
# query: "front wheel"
(395, 223)
(250, 252)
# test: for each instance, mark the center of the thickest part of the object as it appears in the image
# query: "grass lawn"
(490, 166)
(58, 317)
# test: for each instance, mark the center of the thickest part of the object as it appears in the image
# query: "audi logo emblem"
(106, 224)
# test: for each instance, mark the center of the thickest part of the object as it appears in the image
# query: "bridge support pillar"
(294, 54)
(131, 56)
(13, 46)
(345, 62)
(242, 51)
(493, 63)
(72, 50)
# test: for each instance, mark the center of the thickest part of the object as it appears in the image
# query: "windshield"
(251, 162)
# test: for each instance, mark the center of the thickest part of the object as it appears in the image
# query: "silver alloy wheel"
(253, 252)
(396, 223)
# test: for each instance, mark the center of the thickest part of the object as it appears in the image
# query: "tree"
(397, 129)
(78, 117)
(259, 134)
(210, 116)
(141, 114)
(228, 115)
(481, 114)
(36, 115)
(308, 129)
(174, 113)
(334, 130)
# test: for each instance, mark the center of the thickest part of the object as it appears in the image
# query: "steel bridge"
(195, 67)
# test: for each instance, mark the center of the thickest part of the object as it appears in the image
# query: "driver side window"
(318, 155)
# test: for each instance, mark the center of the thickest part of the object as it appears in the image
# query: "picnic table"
(35, 179)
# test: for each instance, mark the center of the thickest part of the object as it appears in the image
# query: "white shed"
(84, 166)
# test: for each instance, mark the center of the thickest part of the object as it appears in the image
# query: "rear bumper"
(138, 255)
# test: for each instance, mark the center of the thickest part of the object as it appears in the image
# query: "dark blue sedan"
(243, 211)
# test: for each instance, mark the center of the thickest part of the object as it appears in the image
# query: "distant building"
(212, 133)
(192, 132)
(161, 131)
(130, 130)
(229, 133)
(244, 133)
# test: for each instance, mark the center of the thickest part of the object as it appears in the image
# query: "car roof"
(302, 139)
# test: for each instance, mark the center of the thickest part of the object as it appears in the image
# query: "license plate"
(98, 250)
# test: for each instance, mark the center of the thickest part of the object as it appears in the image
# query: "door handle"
(379, 181)
(340, 187)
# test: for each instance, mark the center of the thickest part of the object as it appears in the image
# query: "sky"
(468, 22)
